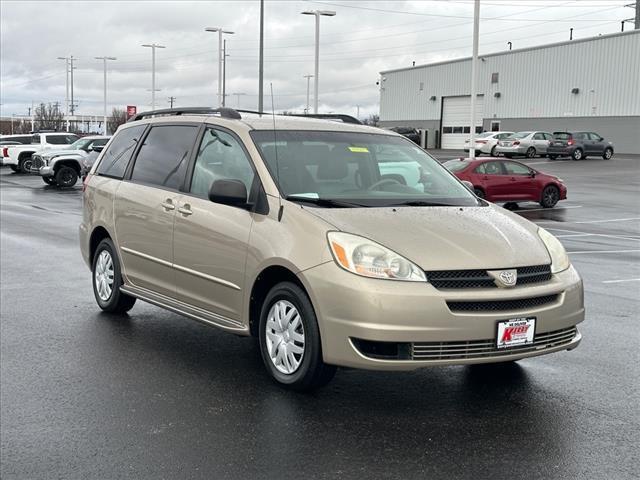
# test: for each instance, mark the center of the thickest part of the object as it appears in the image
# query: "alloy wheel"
(285, 337)
(103, 276)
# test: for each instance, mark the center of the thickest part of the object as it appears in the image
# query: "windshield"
(78, 144)
(357, 169)
(520, 135)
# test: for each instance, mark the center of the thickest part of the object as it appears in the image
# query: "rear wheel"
(49, 180)
(577, 154)
(531, 152)
(290, 339)
(107, 280)
(493, 151)
(608, 153)
(24, 164)
(550, 196)
(479, 192)
(66, 177)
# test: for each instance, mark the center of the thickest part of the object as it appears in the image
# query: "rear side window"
(116, 157)
(61, 139)
(456, 165)
(164, 156)
(581, 136)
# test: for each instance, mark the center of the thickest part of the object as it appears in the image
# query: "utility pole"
(224, 72)
(261, 60)
(171, 100)
(308, 77)
(153, 47)
(66, 95)
(474, 68)
(72, 107)
(317, 14)
(238, 98)
(220, 31)
(358, 112)
(636, 19)
(104, 60)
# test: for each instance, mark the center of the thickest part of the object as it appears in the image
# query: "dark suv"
(408, 132)
(578, 145)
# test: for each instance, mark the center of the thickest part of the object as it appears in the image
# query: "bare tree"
(117, 118)
(372, 120)
(48, 116)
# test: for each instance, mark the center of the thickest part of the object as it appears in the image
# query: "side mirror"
(468, 184)
(533, 174)
(97, 148)
(229, 192)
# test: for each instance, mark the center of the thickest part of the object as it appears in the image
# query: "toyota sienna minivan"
(333, 244)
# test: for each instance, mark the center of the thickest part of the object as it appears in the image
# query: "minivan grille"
(487, 348)
(501, 305)
(460, 279)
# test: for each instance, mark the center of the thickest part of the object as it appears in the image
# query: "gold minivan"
(335, 244)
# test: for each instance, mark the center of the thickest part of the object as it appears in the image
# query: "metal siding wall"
(533, 83)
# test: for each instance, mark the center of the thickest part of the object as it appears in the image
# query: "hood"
(61, 151)
(446, 238)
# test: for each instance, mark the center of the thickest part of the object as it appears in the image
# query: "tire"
(66, 177)
(493, 152)
(15, 168)
(24, 164)
(531, 152)
(302, 367)
(577, 154)
(550, 196)
(508, 155)
(552, 157)
(105, 266)
(49, 180)
(608, 153)
(479, 192)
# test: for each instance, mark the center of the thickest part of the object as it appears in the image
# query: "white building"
(591, 84)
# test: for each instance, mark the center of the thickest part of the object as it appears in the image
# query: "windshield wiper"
(323, 202)
(421, 203)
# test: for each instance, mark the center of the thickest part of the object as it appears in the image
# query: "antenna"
(275, 148)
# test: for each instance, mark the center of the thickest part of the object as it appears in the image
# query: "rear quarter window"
(117, 155)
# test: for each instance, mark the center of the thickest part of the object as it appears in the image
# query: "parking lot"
(153, 395)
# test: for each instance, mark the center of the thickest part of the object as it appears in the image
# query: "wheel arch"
(97, 235)
(67, 163)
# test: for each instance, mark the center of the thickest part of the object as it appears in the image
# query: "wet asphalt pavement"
(154, 395)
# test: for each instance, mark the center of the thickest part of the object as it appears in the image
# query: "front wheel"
(107, 280)
(550, 196)
(608, 153)
(66, 177)
(290, 339)
(24, 164)
(577, 154)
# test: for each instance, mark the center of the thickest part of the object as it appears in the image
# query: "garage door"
(456, 115)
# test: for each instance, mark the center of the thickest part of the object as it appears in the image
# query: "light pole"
(474, 68)
(66, 95)
(317, 14)
(220, 32)
(261, 59)
(308, 77)
(104, 60)
(238, 97)
(153, 47)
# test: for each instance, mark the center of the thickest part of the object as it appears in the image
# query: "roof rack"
(224, 112)
(322, 116)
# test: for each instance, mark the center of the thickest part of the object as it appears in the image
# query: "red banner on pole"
(131, 111)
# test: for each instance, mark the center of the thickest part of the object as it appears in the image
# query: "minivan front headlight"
(367, 258)
(559, 257)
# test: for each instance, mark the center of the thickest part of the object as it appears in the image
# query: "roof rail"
(322, 116)
(224, 112)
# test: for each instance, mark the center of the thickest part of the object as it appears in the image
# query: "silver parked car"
(528, 144)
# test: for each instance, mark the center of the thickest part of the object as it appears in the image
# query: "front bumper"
(351, 309)
(46, 171)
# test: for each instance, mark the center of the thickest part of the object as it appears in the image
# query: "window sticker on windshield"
(359, 149)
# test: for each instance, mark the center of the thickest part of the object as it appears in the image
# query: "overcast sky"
(364, 38)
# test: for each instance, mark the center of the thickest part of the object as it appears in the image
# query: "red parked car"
(498, 180)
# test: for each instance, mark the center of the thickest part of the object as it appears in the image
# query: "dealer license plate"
(516, 332)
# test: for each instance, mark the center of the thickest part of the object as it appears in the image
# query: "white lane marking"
(610, 220)
(574, 235)
(546, 209)
(621, 281)
(604, 251)
(621, 237)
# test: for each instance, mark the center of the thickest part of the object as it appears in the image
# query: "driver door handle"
(168, 205)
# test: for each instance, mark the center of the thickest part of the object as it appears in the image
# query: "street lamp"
(220, 32)
(153, 47)
(308, 77)
(104, 60)
(317, 14)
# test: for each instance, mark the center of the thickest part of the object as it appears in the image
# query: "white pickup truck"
(18, 157)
